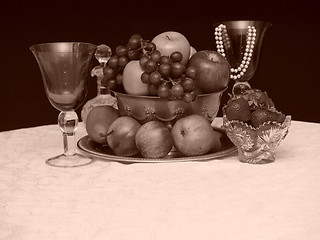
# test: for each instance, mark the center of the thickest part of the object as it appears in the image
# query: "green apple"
(131, 79)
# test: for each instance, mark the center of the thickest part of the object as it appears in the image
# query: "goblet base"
(76, 160)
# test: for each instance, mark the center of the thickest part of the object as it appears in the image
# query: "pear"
(98, 121)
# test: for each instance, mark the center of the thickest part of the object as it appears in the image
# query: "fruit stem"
(109, 133)
(174, 82)
(171, 80)
(142, 46)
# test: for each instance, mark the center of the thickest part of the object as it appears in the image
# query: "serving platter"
(103, 152)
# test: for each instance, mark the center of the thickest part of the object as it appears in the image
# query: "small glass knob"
(103, 54)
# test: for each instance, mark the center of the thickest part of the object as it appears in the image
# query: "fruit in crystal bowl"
(238, 109)
(252, 106)
(260, 116)
(171, 41)
(258, 135)
(193, 135)
(154, 140)
(98, 121)
(213, 70)
(121, 136)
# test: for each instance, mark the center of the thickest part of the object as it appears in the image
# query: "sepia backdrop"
(289, 62)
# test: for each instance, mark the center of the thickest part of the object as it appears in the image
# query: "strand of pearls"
(222, 39)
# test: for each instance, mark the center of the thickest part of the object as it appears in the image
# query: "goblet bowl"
(240, 42)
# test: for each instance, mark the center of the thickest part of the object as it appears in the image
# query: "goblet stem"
(68, 144)
(68, 124)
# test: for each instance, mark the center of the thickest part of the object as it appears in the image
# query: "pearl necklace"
(221, 37)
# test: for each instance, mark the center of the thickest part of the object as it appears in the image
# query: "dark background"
(289, 63)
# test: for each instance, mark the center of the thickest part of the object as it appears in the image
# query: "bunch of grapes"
(167, 76)
(133, 50)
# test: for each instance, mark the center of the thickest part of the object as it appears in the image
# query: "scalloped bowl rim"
(157, 97)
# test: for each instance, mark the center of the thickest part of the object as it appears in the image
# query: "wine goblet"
(240, 43)
(65, 69)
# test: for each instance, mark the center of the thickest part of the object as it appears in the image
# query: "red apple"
(169, 42)
(131, 79)
(213, 70)
(121, 136)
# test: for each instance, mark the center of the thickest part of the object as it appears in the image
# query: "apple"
(171, 41)
(213, 70)
(154, 140)
(98, 121)
(193, 135)
(192, 51)
(121, 136)
(131, 79)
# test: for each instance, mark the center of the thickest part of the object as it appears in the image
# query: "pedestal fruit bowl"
(163, 81)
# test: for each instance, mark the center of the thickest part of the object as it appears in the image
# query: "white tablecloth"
(219, 199)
